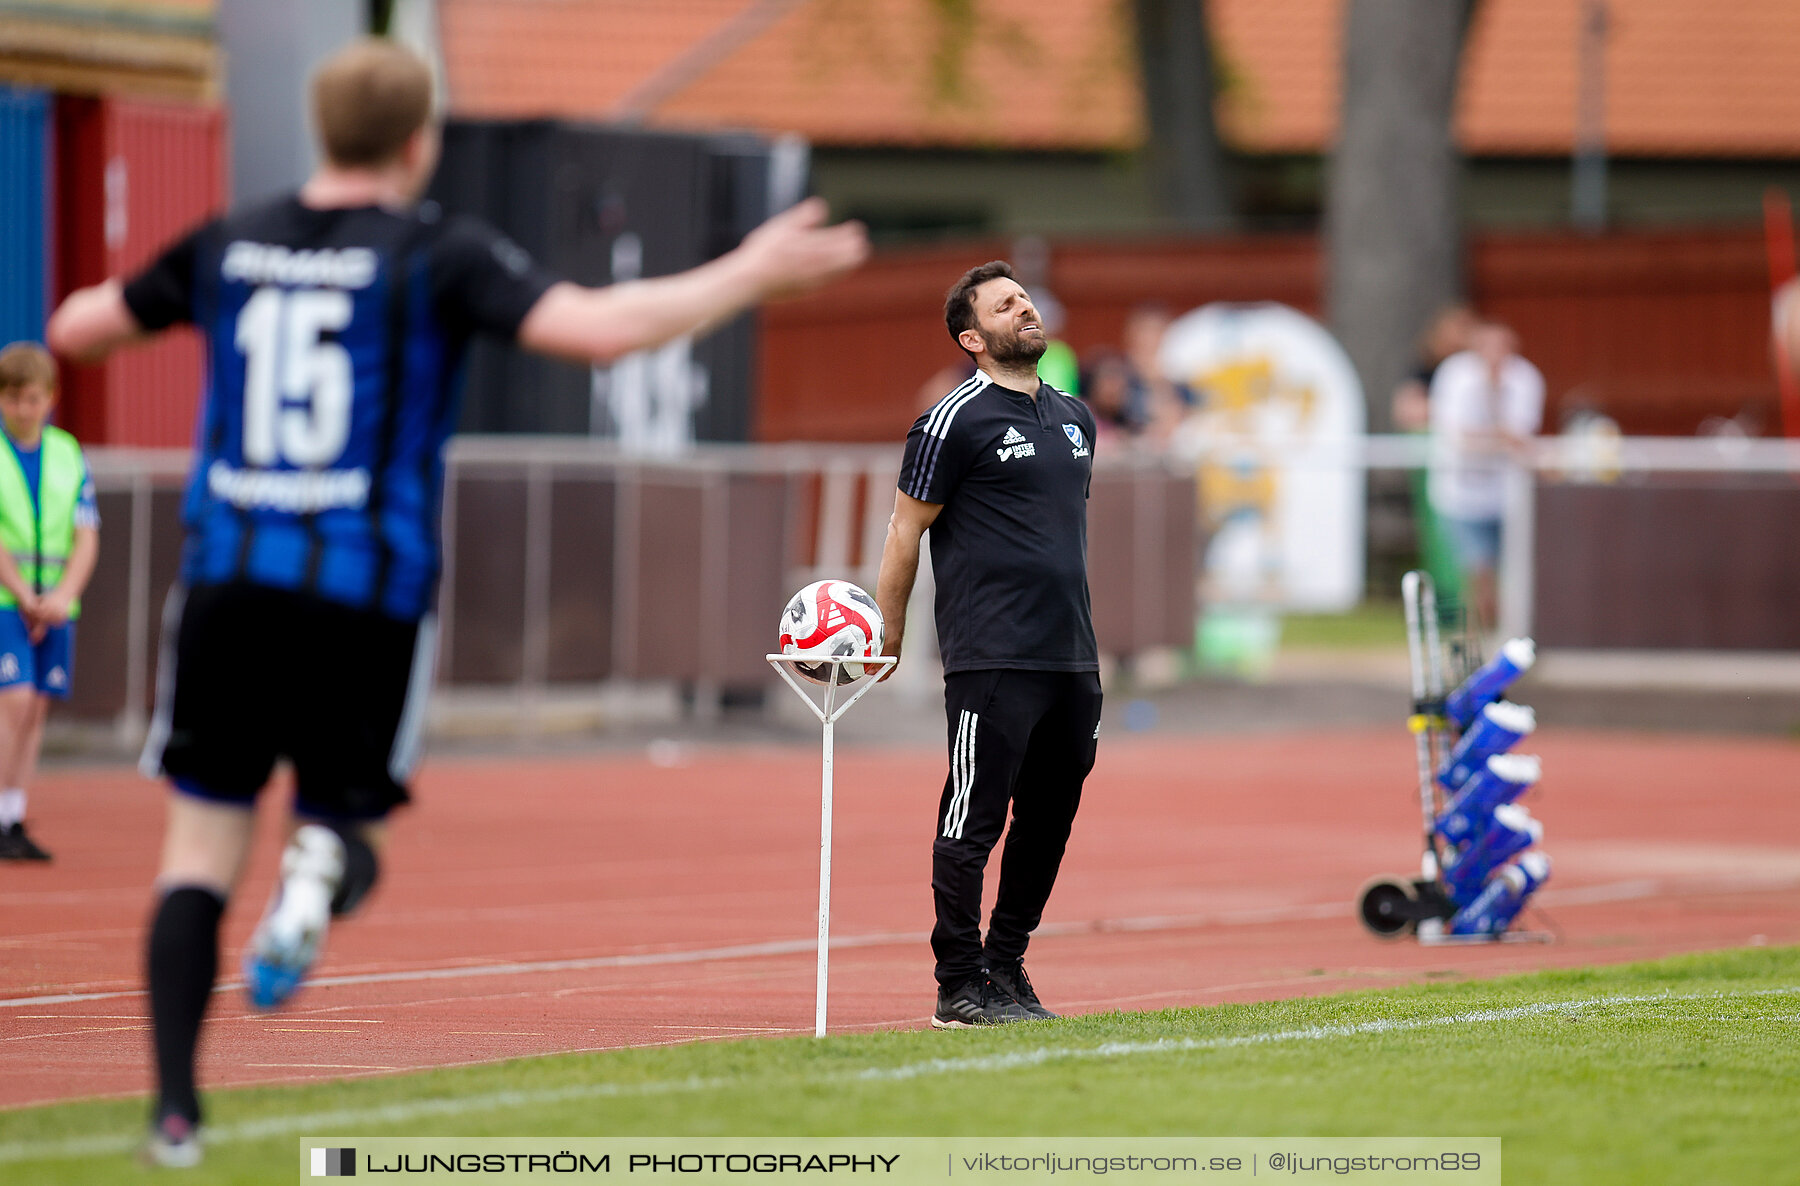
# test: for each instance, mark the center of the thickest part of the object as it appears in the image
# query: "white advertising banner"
(1275, 434)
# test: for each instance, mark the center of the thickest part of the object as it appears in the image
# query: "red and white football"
(831, 618)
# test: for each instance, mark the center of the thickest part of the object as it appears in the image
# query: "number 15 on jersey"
(297, 384)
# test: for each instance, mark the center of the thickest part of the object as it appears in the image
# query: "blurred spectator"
(1031, 264)
(1159, 403)
(50, 529)
(1448, 333)
(1592, 441)
(1741, 427)
(1486, 404)
(941, 383)
(1058, 367)
(1110, 387)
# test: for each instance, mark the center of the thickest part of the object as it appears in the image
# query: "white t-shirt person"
(1473, 402)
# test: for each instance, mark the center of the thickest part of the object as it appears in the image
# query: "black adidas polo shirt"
(1009, 549)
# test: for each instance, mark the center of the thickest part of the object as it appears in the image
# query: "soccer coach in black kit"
(999, 471)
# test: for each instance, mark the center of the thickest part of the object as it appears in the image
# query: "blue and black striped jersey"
(334, 343)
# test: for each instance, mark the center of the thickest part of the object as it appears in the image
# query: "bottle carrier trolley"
(1423, 906)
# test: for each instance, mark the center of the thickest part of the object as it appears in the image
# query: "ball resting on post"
(828, 711)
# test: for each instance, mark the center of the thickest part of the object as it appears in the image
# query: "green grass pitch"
(1682, 1070)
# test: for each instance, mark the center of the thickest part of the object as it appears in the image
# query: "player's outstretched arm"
(790, 253)
(900, 568)
(91, 323)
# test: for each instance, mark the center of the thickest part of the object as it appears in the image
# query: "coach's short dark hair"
(368, 98)
(959, 305)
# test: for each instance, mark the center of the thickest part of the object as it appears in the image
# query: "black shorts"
(249, 674)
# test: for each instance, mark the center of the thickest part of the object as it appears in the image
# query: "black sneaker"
(1011, 980)
(17, 845)
(975, 1002)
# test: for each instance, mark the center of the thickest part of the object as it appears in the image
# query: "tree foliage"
(1176, 68)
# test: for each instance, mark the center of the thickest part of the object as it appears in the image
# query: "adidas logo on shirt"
(1014, 444)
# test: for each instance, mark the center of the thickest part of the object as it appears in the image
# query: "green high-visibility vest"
(41, 537)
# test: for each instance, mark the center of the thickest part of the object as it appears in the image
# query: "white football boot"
(292, 930)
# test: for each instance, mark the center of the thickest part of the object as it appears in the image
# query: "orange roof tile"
(1281, 71)
(837, 71)
(1684, 77)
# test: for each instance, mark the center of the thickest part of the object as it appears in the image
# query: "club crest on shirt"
(1073, 432)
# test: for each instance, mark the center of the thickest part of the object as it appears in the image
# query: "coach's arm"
(789, 253)
(900, 567)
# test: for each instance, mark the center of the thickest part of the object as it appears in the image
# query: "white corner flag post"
(828, 714)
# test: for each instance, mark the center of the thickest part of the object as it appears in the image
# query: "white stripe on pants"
(962, 769)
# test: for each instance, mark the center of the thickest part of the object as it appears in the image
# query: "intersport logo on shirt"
(1014, 444)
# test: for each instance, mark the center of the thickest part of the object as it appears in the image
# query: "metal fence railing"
(568, 564)
(1656, 543)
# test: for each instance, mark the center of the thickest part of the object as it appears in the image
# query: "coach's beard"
(1013, 347)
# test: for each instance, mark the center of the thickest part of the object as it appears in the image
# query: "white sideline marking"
(362, 1120)
(521, 968)
(324, 1066)
(1618, 891)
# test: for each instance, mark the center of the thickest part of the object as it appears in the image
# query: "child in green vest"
(49, 540)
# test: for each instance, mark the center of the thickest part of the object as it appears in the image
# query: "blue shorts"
(1476, 542)
(47, 666)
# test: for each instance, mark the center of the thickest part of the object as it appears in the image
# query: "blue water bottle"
(1497, 728)
(1496, 906)
(1503, 779)
(1512, 832)
(1487, 682)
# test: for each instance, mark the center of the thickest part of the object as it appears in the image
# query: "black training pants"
(1024, 738)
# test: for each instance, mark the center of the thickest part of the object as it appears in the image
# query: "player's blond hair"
(25, 363)
(368, 98)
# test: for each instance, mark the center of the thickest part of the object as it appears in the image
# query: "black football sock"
(362, 868)
(183, 962)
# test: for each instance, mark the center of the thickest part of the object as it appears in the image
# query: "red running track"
(542, 905)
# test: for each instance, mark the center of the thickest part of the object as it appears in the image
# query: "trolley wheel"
(1388, 906)
(1433, 901)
